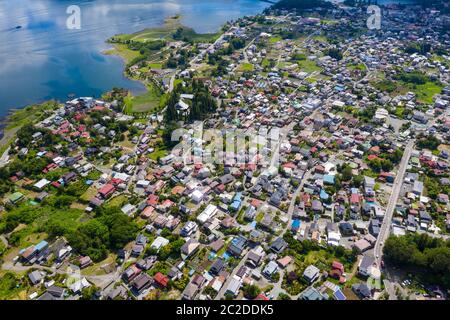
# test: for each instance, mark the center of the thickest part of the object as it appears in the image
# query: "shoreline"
(163, 32)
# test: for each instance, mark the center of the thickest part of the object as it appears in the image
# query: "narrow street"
(396, 188)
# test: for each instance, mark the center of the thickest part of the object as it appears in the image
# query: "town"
(348, 201)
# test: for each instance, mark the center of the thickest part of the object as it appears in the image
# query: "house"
(161, 280)
(278, 245)
(362, 290)
(217, 245)
(236, 204)
(317, 206)
(16, 197)
(233, 287)
(106, 191)
(270, 269)
(365, 265)
(337, 271)
(209, 212)
(190, 291)
(311, 273)
(311, 294)
(346, 228)
(362, 245)
(217, 266)
(255, 256)
(141, 282)
(85, 262)
(137, 250)
(53, 293)
(189, 228)
(79, 285)
(130, 273)
(159, 242)
(197, 196)
(129, 209)
(117, 293)
(41, 196)
(190, 247)
(35, 277)
(237, 246)
(35, 253)
(41, 184)
(418, 187)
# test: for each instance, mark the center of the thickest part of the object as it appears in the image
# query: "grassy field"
(123, 51)
(425, 92)
(321, 39)
(155, 65)
(275, 39)
(166, 31)
(359, 66)
(158, 153)
(89, 194)
(246, 67)
(147, 102)
(265, 63)
(98, 268)
(308, 66)
(118, 201)
(11, 287)
(328, 22)
(67, 219)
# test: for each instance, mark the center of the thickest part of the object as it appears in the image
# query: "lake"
(44, 60)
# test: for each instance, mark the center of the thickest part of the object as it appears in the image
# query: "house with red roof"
(107, 190)
(161, 280)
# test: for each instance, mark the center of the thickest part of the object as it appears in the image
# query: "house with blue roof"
(295, 226)
(41, 245)
(35, 253)
(237, 246)
(237, 202)
(328, 179)
(324, 195)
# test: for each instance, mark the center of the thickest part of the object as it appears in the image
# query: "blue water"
(45, 60)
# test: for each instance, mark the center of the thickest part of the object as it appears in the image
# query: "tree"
(284, 296)
(171, 113)
(430, 256)
(334, 53)
(357, 181)
(92, 239)
(251, 291)
(346, 173)
(89, 293)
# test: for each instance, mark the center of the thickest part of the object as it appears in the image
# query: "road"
(3, 239)
(222, 290)
(385, 226)
(305, 178)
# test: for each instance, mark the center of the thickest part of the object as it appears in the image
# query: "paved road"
(305, 177)
(385, 227)
(3, 239)
(222, 290)
(390, 289)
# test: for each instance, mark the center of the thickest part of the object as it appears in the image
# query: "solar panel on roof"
(339, 295)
